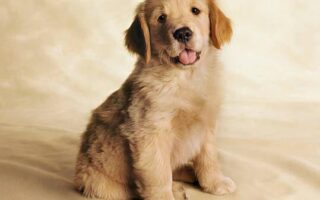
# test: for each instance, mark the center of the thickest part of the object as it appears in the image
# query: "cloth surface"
(60, 59)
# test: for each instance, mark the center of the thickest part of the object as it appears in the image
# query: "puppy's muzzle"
(183, 35)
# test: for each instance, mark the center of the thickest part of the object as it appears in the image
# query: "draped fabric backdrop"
(60, 59)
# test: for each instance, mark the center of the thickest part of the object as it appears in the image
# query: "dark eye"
(162, 19)
(195, 11)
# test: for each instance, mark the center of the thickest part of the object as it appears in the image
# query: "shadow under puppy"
(146, 134)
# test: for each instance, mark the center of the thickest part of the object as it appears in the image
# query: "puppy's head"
(178, 32)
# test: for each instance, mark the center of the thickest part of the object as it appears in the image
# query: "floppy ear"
(220, 25)
(138, 36)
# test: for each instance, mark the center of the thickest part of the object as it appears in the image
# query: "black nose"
(183, 34)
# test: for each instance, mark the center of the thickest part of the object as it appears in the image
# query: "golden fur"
(159, 126)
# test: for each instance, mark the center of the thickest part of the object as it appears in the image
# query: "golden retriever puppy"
(159, 126)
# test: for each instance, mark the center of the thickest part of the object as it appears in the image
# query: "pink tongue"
(188, 57)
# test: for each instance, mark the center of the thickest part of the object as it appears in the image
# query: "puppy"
(159, 126)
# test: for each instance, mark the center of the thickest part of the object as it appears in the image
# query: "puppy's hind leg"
(94, 184)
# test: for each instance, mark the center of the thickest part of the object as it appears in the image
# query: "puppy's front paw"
(222, 185)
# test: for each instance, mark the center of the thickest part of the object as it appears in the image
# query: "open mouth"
(187, 57)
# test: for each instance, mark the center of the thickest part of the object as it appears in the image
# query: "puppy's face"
(177, 32)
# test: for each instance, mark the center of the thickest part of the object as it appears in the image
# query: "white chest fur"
(195, 107)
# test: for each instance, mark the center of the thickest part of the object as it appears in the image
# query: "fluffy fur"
(159, 126)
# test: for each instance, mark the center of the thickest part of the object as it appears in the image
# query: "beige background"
(60, 59)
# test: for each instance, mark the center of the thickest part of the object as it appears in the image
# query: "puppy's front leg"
(208, 172)
(151, 165)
